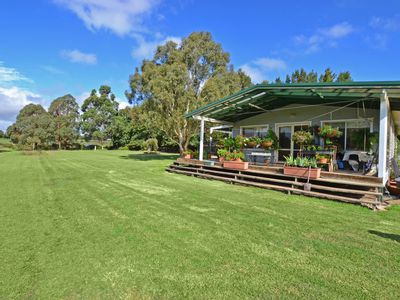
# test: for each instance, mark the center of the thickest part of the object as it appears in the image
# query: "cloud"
(77, 56)
(388, 24)
(324, 37)
(12, 100)
(146, 49)
(261, 68)
(53, 70)
(9, 75)
(120, 16)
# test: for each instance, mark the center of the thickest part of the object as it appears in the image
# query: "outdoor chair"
(354, 162)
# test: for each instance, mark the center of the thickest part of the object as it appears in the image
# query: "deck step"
(281, 181)
(329, 188)
(275, 187)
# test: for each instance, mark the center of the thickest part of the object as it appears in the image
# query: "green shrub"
(135, 145)
(151, 145)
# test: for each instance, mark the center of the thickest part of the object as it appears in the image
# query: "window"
(355, 133)
(254, 131)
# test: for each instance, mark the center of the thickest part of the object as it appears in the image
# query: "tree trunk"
(59, 145)
(95, 147)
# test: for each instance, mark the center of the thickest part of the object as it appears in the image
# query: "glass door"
(286, 145)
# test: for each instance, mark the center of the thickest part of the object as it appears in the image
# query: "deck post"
(201, 146)
(383, 136)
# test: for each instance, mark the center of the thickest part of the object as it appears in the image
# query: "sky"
(49, 48)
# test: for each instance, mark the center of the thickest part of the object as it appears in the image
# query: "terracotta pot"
(187, 156)
(238, 159)
(302, 172)
(266, 145)
(221, 159)
(251, 144)
(238, 165)
(323, 160)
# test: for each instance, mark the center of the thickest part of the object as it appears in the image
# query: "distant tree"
(344, 77)
(121, 128)
(33, 127)
(327, 76)
(2, 134)
(65, 113)
(98, 112)
(181, 78)
(278, 80)
(301, 76)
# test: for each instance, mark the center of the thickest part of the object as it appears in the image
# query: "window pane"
(262, 131)
(285, 135)
(356, 138)
(248, 132)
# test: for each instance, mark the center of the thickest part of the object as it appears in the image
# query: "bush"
(135, 145)
(123, 148)
(151, 145)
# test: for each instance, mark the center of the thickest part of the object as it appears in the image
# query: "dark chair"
(355, 166)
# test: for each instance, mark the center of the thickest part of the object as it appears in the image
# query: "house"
(356, 108)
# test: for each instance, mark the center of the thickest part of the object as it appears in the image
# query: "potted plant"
(188, 154)
(328, 133)
(222, 153)
(234, 160)
(270, 140)
(301, 167)
(252, 142)
(302, 137)
(323, 158)
(234, 144)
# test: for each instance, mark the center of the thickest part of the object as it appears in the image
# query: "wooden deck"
(356, 189)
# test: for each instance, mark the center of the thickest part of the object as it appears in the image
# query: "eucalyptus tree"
(32, 128)
(99, 109)
(180, 78)
(65, 113)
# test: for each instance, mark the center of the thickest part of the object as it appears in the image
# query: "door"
(286, 144)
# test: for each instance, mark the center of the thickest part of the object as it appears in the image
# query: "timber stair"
(345, 189)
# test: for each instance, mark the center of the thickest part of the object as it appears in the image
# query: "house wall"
(315, 114)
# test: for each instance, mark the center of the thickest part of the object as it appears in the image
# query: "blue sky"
(52, 47)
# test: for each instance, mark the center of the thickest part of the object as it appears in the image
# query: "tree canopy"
(99, 109)
(302, 76)
(65, 113)
(181, 78)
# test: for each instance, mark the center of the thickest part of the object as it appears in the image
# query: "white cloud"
(77, 56)
(146, 49)
(324, 37)
(120, 16)
(388, 24)
(12, 100)
(8, 75)
(261, 68)
(122, 104)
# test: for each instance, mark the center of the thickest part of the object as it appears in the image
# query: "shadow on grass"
(4, 150)
(147, 157)
(391, 236)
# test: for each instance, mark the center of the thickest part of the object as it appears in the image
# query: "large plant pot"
(221, 159)
(251, 144)
(266, 145)
(238, 165)
(323, 160)
(187, 156)
(302, 172)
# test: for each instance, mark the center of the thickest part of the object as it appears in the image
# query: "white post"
(201, 139)
(383, 136)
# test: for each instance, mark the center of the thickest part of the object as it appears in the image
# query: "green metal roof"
(261, 98)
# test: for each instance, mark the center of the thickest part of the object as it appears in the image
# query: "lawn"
(114, 224)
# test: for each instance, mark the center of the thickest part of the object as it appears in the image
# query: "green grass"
(114, 224)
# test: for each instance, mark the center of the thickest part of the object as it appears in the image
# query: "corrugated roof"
(260, 98)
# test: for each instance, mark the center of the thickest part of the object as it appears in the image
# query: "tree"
(327, 76)
(65, 113)
(121, 128)
(33, 127)
(344, 77)
(2, 134)
(181, 78)
(98, 112)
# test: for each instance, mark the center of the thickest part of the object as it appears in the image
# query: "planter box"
(302, 172)
(187, 156)
(238, 165)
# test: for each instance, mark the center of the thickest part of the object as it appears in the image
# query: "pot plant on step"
(270, 141)
(301, 167)
(222, 153)
(234, 160)
(252, 142)
(323, 158)
(188, 154)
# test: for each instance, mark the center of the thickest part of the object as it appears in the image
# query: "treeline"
(98, 123)
(178, 79)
